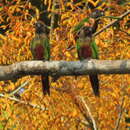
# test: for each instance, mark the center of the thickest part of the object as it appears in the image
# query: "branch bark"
(64, 68)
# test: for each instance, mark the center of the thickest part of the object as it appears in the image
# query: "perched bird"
(40, 49)
(85, 43)
(87, 49)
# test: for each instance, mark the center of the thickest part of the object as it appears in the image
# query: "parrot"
(87, 49)
(40, 49)
(85, 43)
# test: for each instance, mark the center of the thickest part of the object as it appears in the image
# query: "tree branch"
(107, 26)
(82, 105)
(113, 22)
(120, 115)
(64, 68)
(52, 19)
(23, 102)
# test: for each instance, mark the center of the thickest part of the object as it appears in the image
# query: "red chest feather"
(85, 52)
(39, 52)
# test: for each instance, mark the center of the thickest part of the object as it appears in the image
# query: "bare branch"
(52, 19)
(107, 26)
(18, 88)
(113, 22)
(64, 68)
(82, 105)
(89, 113)
(120, 114)
(23, 102)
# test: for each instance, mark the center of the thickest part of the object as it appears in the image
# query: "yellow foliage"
(61, 111)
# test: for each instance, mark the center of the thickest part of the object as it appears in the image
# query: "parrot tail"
(95, 84)
(45, 85)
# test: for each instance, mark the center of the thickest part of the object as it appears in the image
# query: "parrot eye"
(38, 25)
(102, 13)
(88, 31)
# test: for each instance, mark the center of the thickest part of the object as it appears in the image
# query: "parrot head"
(40, 27)
(85, 32)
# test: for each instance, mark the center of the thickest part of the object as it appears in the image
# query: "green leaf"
(5, 114)
(1, 126)
(95, 50)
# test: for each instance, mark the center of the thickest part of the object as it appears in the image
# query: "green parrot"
(85, 43)
(40, 49)
(87, 49)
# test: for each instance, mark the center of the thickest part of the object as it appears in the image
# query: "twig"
(113, 22)
(111, 17)
(70, 48)
(17, 89)
(84, 122)
(107, 26)
(52, 19)
(81, 104)
(89, 113)
(120, 115)
(23, 102)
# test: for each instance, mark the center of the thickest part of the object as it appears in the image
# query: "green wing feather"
(95, 50)
(78, 48)
(77, 44)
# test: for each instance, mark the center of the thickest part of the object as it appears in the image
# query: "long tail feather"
(95, 84)
(45, 85)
